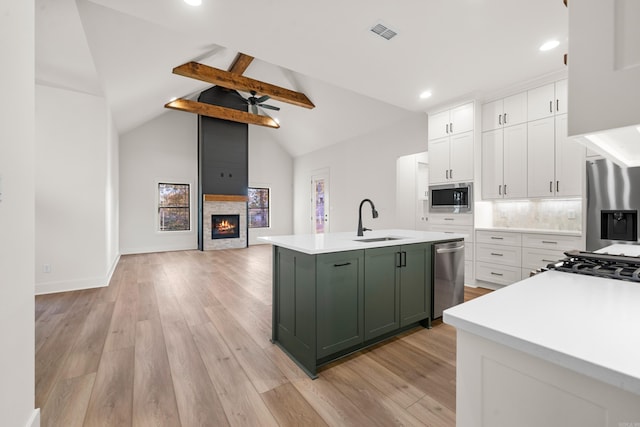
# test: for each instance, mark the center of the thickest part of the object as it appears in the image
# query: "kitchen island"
(556, 349)
(336, 293)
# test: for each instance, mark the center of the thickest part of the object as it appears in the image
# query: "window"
(173, 207)
(258, 207)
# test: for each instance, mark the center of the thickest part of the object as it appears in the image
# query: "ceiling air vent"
(384, 31)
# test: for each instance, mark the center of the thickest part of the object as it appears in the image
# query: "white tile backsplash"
(565, 215)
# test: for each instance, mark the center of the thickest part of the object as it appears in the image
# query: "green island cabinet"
(326, 306)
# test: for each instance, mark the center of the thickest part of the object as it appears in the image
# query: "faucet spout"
(374, 214)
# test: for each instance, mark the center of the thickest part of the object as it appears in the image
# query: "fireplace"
(225, 226)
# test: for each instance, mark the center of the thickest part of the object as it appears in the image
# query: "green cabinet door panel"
(382, 291)
(340, 295)
(294, 305)
(415, 283)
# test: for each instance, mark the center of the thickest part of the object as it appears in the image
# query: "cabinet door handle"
(499, 119)
(403, 259)
(497, 238)
(557, 186)
(557, 105)
(551, 106)
(505, 189)
(446, 173)
(549, 260)
(448, 219)
(342, 265)
(398, 259)
(505, 119)
(496, 254)
(451, 173)
(550, 242)
(496, 274)
(446, 128)
(499, 190)
(550, 186)
(451, 127)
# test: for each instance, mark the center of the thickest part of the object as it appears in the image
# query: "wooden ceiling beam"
(240, 64)
(233, 81)
(223, 113)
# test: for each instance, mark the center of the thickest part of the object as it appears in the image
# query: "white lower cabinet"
(505, 257)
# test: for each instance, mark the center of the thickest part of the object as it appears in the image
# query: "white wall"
(17, 215)
(164, 149)
(76, 226)
(364, 167)
(271, 166)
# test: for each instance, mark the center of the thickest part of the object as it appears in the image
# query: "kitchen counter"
(534, 343)
(348, 241)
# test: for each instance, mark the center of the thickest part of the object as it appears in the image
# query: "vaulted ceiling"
(125, 50)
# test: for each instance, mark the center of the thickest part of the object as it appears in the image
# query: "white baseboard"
(34, 420)
(76, 284)
(153, 249)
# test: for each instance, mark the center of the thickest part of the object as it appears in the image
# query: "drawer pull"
(496, 274)
(549, 260)
(550, 242)
(496, 254)
(497, 238)
(449, 219)
(342, 265)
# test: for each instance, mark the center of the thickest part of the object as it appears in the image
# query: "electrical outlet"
(46, 268)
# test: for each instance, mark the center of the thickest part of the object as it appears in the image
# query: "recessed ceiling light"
(193, 2)
(551, 44)
(426, 94)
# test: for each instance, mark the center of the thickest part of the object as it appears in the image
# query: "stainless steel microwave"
(451, 198)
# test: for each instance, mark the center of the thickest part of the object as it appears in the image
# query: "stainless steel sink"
(378, 239)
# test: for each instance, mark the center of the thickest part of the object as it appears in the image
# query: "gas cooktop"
(622, 267)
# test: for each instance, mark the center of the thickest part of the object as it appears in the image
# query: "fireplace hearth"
(225, 226)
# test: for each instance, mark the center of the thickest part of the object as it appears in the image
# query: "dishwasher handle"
(449, 250)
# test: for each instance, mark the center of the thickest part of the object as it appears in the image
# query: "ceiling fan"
(254, 102)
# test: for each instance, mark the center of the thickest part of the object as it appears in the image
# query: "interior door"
(320, 203)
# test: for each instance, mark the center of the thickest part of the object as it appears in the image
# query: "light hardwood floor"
(182, 339)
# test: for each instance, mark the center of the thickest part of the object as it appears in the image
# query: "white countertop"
(347, 241)
(587, 324)
(532, 231)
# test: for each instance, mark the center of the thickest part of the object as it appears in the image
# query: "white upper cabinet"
(555, 163)
(504, 163)
(570, 161)
(451, 122)
(540, 158)
(547, 101)
(515, 162)
(451, 145)
(451, 159)
(508, 111)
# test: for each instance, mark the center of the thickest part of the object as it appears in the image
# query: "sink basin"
(378, 239)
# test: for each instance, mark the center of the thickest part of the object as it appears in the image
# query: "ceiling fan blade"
(262, 99)
(270, 107)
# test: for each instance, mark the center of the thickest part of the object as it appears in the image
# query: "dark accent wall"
(223, 150)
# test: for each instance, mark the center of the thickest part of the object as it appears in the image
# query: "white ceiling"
(125, 50)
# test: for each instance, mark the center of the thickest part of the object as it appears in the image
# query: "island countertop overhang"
(583, 323)
(348, 241)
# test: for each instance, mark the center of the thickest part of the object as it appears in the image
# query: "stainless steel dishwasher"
(448, 276)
